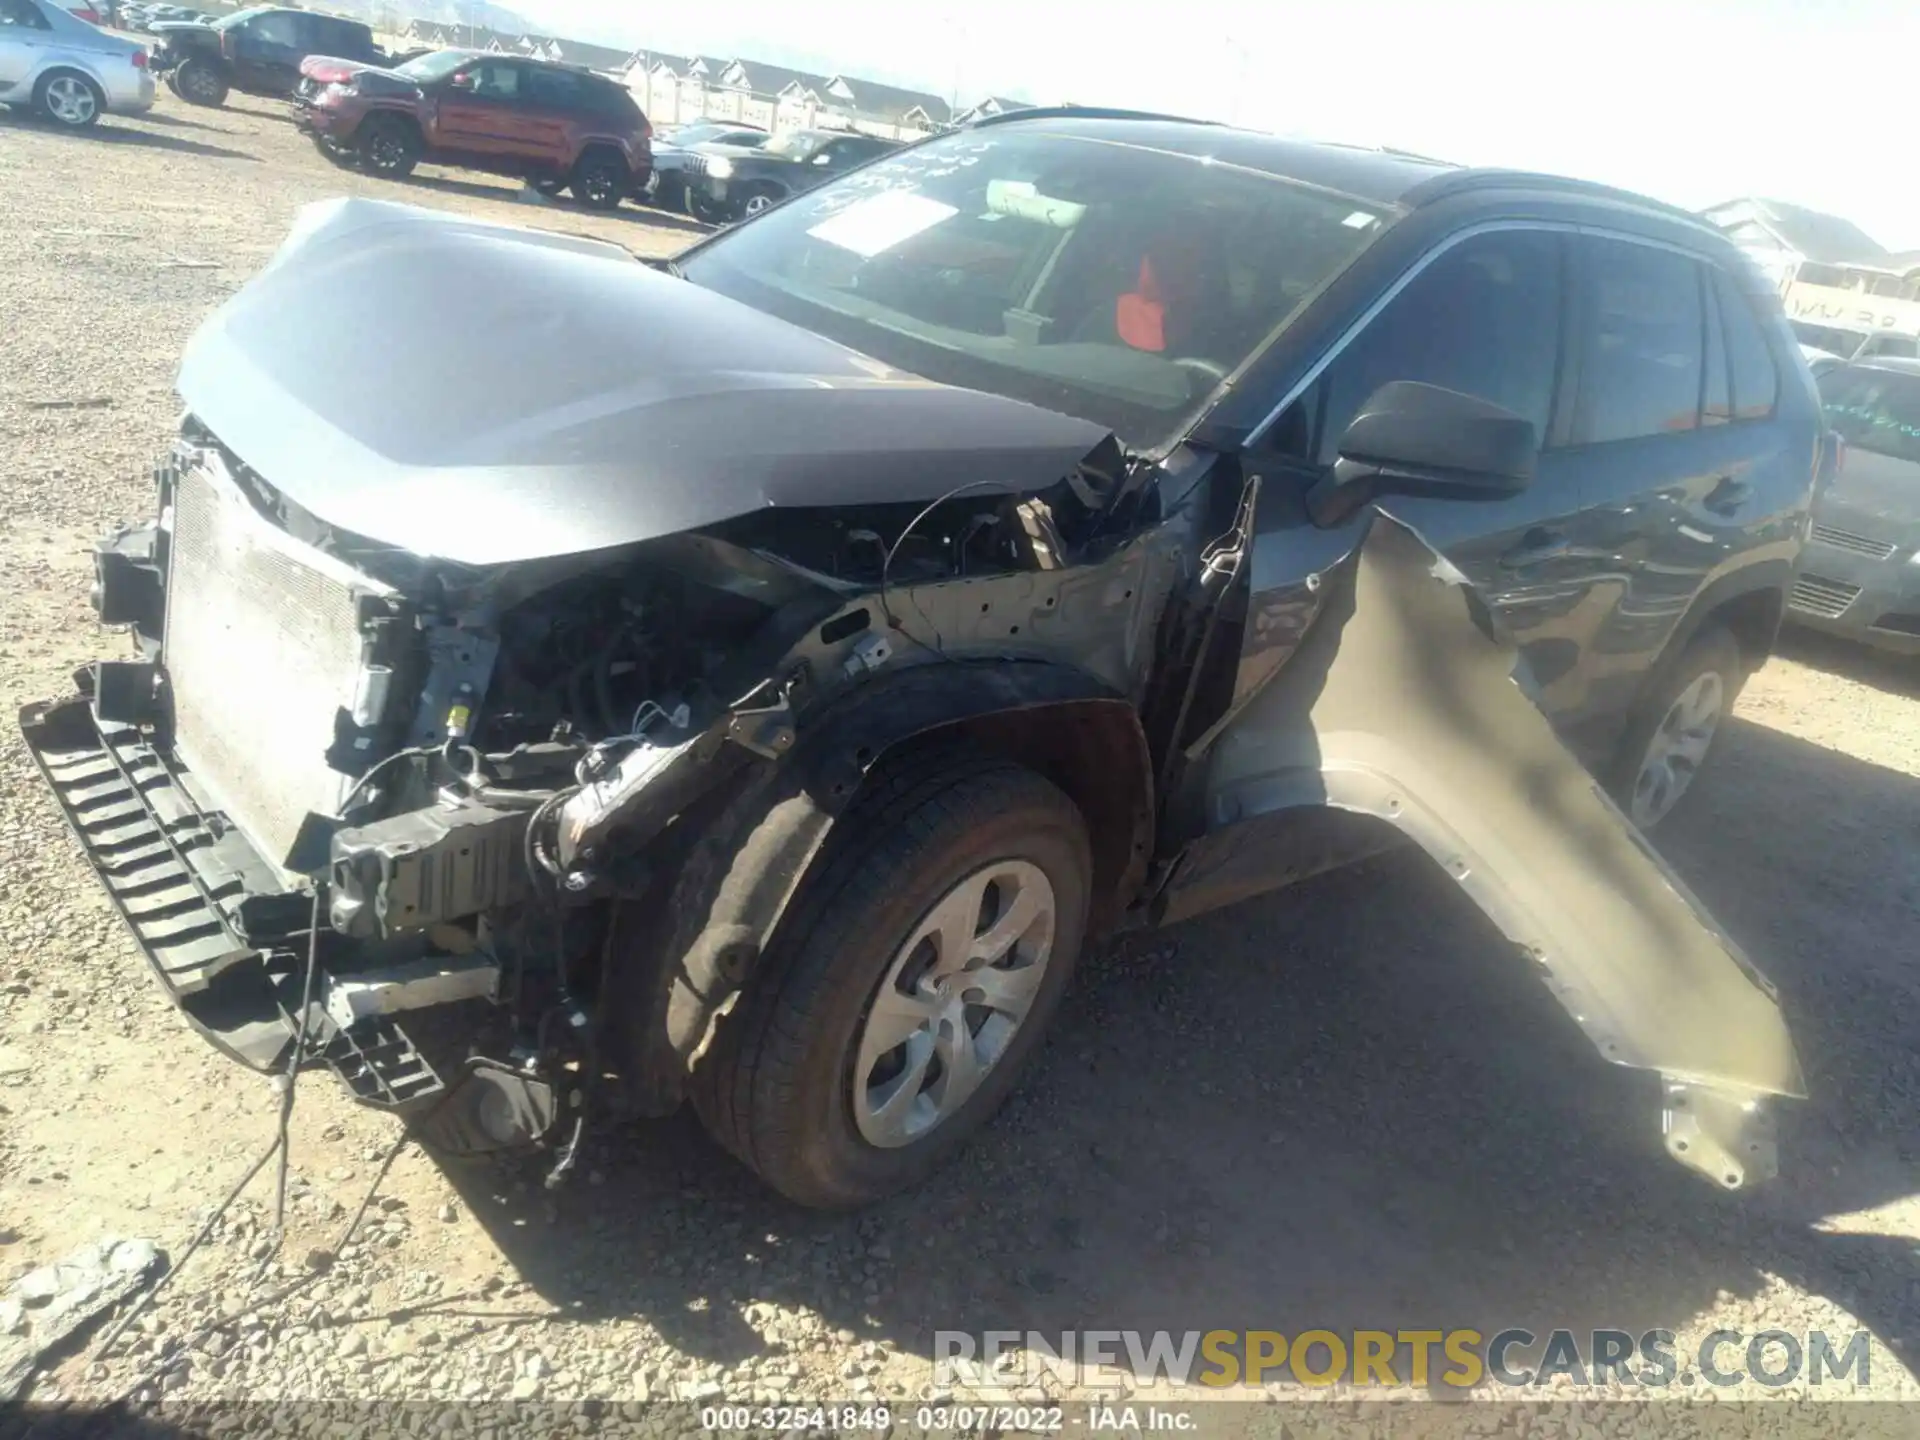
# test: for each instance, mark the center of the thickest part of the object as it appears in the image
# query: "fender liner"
(679, 957)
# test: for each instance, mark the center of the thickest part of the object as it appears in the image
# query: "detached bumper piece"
(209, 914)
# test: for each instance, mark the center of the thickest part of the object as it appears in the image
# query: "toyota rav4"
(763, 676)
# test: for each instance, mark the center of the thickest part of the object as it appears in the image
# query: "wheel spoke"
(894, 1018)
(1006, 992)
(960, 1067)
(890, 1106)
(1010, 926)
(951, 924)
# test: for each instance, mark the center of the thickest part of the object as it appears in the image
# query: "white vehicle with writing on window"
(67, 71)
(1853, 311)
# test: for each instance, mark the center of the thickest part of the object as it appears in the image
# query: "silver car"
(69, 71)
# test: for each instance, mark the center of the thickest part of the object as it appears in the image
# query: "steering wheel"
(1212, 371)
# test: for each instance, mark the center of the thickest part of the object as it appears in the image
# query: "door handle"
(1536, 547)
(1728, 496)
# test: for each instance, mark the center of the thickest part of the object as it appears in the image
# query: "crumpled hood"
(486, 394)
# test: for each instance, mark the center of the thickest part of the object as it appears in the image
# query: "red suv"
(557, 126)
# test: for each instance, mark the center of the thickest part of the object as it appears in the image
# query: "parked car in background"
(668, 189)
(762, 673)
(556, 126)
(67, 71)
(1860, 571)
(87, 10)
(257, 51)
(725, 183)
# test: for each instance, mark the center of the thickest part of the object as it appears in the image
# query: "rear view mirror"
(823, 159)
(461, 80)
(1416, 439)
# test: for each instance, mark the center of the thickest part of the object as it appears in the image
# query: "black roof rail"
(1455, 182)
(1080, 112)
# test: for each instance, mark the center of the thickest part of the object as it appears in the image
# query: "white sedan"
(66, 70)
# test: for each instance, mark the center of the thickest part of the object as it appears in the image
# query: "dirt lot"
(1345, 1106)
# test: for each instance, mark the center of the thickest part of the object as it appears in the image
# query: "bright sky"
(1693, 101)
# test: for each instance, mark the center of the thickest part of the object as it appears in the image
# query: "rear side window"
(1483, 319)
(1756, 385)
(23, 15)
(282, 27)
(559, 88)
(1642, 355)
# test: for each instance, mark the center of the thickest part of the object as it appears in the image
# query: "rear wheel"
(389, 146)
(198, 83)
(69, 99)
(1672, 732)
(909, 985)
(600, 180)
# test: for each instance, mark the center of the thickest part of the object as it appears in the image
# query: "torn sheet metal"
(1403, 702)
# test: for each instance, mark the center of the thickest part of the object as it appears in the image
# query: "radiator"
(262, 649)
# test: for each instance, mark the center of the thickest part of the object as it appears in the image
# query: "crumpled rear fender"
(1405, 701)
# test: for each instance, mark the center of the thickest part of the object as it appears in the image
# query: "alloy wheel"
(70, 100)
(1674, 754)
(951, 1001)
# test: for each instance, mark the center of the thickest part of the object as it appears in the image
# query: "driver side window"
(1484, 318)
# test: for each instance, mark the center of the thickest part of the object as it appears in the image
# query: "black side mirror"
(1416, 439)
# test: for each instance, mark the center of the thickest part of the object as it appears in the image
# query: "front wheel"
(909, 985)
(703, 208)
(389, 146)
(1669, 738)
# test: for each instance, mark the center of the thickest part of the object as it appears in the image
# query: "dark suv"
(1860, 574)
(558, 126)
(735, 182)
(762, 675)
(256, 51)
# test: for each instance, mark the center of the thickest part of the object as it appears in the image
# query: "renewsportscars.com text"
(1459, 1358)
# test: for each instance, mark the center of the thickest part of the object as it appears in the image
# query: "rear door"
(552, 108)
(1664, 456)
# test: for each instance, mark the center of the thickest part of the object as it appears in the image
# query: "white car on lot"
(68, 71)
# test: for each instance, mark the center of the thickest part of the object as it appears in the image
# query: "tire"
(703, 209)
(199, 83)
(388, 145)
(68, 99)
(1672, 733)
(600, 180)
(757, 198)
(786, 1074)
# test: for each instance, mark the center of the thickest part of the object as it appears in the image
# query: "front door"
(480, 111)
(267, 51)
(1486, 318)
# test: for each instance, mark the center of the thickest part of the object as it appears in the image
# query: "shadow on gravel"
(1346, 1105)
(108, 133)
(1895, 674)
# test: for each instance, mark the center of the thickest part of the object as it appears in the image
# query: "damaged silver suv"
(760, 677)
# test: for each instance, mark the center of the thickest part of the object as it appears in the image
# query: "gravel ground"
(1340, 1107)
